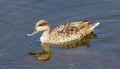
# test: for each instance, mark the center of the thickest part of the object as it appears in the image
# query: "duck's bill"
(34, 32)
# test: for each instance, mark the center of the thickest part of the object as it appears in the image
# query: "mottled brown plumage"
(63, 33)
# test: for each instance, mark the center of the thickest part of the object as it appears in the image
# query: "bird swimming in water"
(63, 33)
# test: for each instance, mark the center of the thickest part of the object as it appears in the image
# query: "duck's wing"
(69, 28)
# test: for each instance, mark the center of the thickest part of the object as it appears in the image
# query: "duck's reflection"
(45, 55)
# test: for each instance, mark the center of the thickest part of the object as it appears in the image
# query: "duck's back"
(69, 31)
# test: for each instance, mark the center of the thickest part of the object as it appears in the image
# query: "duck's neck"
(46, 47)
(45, 36)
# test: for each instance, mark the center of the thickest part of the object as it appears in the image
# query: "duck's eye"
(42, 24)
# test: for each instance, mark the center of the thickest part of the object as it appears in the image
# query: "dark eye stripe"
(42, 24)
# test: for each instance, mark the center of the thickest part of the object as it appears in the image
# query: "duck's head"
(41, 25)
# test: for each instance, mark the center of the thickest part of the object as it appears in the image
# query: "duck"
(63, 33)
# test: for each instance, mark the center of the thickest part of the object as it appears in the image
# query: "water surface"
(17, 19)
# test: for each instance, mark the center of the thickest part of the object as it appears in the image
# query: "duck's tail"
(94, 25)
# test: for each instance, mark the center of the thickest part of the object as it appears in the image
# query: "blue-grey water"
(17, 18)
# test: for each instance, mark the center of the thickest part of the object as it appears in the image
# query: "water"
(17, 19)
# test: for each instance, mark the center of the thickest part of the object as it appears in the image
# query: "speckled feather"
(69, 31)
(63, 33)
